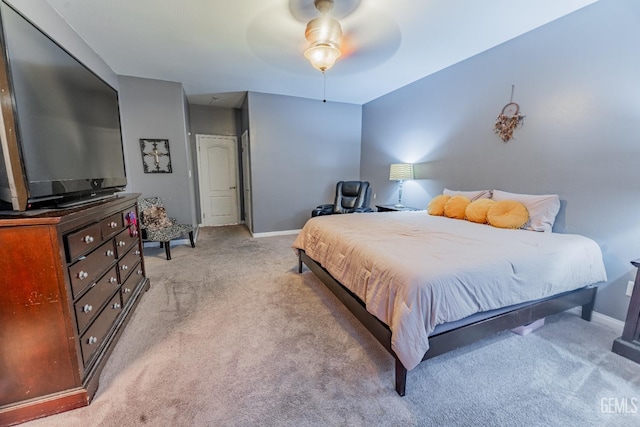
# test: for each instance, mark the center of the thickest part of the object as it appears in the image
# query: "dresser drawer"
(134, 279)
(83, 241)
(92, 340)
(128, 263)
(126, 239)
(111, 225)
(87, 269)
(89, 305)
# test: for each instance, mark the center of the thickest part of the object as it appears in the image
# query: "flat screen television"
(60, 127)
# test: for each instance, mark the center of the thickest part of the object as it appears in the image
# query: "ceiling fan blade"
(367, 45)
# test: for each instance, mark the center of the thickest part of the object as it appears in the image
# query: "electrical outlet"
(629, 288)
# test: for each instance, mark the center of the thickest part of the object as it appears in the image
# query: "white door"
(246, 180)
(218, 178)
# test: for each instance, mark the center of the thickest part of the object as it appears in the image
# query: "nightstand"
(393, 208)
(628, 345)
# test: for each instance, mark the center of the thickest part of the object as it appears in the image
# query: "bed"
(424, 285)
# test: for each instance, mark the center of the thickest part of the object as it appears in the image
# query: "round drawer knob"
(137, 252)
(83, 275)
(109, 253)
(127, 290)
(116, 306)
(87, 308)
(121, 243)
(87, 239)
(92, 340)
(113, 280)
(124, 267)
(140, 272)
(113, 224)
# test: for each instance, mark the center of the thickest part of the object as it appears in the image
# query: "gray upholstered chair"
(155, 226)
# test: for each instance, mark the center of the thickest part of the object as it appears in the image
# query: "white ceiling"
(222, 48)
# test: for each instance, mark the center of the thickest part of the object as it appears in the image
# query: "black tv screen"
(67, 120)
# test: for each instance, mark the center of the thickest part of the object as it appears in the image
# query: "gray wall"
(299, 149)
(213, 120)
(576, 79)
(157, 109)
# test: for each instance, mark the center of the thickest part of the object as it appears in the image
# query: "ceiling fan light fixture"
(324, 34)
(323, 29)
(322, 56)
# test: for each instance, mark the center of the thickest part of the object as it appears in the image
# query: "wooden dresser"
(69, 282)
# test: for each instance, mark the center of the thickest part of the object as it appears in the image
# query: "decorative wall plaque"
(156, 157)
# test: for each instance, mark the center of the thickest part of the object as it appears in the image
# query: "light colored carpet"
(231, 335)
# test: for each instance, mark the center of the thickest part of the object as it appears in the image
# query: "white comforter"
(415, 271)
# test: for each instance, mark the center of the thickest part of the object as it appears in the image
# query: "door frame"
(234, 141)
(247, 188)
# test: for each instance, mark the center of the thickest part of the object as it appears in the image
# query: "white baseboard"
(276, 233)
(601, 319)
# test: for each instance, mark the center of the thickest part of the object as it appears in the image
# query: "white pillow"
(471, 195)
(542, 208)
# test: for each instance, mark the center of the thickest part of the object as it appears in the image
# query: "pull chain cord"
(324, 87)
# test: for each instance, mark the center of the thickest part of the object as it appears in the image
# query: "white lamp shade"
(401, 171)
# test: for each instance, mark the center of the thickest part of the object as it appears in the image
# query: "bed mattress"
(415, 271)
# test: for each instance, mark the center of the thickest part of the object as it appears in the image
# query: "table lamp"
(400, 172)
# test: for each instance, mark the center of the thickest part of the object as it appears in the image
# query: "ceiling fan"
(370, 36)
(324, 34)
(346, 29)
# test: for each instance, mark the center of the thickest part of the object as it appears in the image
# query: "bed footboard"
(455, 338)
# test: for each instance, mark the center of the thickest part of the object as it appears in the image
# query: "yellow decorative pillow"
(508, 214)
(436, 205)
(477, 210)
(454, 208)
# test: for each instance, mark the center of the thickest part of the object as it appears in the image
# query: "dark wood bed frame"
(455, 338)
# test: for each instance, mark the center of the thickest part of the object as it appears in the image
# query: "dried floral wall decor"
(508, 120)
(506, 124)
